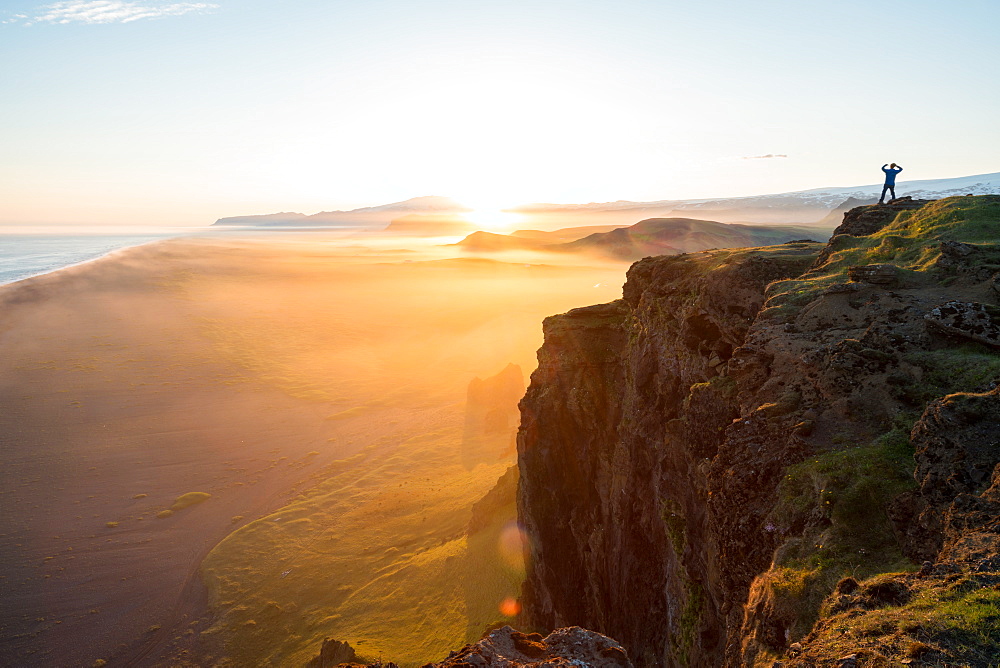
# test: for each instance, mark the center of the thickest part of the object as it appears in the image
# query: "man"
(890, 180)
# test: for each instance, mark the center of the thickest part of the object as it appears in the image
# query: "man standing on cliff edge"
(890, 180)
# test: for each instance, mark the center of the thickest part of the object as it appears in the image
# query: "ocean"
(25, 255)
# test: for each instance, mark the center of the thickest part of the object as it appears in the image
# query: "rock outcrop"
(702, 461)
(491, 416)
(508, 648)
(863, 221)
(967, 320)
(333, 653)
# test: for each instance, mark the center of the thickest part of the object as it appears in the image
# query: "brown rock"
(507, 648)
(530, 644)
(876, 274)
(866, 220)
(333, 653)
(849, 661)
(967, 320)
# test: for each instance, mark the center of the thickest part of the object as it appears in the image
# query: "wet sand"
(240, 369)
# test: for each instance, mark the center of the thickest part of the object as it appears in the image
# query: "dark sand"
(216, 366)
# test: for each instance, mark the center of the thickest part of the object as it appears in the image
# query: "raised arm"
(899, 168)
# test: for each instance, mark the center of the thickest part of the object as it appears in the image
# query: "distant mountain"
(366, 217)
(528, 239)
(486, 242)
(565, 234)
(804, 206)
(284, 218)
(665, 236)
(836, 216)
(655, 236)
(430, 225)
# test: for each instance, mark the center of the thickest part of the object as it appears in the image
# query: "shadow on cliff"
(703, 461)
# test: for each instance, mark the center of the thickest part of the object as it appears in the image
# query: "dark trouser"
(891, 187)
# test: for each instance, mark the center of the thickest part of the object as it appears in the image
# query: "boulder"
(508, 648)
(967, 320)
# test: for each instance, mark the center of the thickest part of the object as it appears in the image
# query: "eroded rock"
(875, 274)
(333, 653)
(866, 220)
(507, 648)
(967, 320)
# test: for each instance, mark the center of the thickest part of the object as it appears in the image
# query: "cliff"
(778, 454)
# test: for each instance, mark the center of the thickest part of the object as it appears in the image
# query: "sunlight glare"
(494, 219)
(509, 607)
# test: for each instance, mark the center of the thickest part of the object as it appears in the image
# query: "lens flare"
(512, 545)
(509, 607)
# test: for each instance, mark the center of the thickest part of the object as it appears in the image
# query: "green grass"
(689, 621)
(835, 501)
(969, 367)
(724, 385)
(910, 242)
(943, 624)
(673, 518)
(190, 499)
(375, 554)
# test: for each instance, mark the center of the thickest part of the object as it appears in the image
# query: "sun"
(494, 219)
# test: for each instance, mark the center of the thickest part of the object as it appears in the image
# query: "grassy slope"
(911, 242)
(851, 486)
(375, 552)
(947, 623)
(376, 555)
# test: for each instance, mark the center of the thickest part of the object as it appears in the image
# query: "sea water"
(23, 255)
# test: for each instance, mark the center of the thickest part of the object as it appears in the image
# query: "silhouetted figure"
(890, 180)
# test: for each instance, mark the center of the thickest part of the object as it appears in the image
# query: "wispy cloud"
(761, 157)
(107, 11)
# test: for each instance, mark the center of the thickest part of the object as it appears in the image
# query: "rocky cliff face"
(702, 461)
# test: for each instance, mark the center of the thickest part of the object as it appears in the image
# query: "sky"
(178, 113)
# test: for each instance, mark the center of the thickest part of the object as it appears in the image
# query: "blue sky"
(152, 112)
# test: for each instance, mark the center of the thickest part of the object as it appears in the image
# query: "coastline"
(206, 232)
(109, 253)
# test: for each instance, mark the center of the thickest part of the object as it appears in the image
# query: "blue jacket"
(890, 174)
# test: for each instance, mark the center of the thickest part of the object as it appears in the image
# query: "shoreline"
(102, 256)
(208, 232)
(64, 575)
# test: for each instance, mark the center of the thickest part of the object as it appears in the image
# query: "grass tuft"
(190, 499)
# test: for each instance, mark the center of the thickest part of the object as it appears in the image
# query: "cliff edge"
(782, 454)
